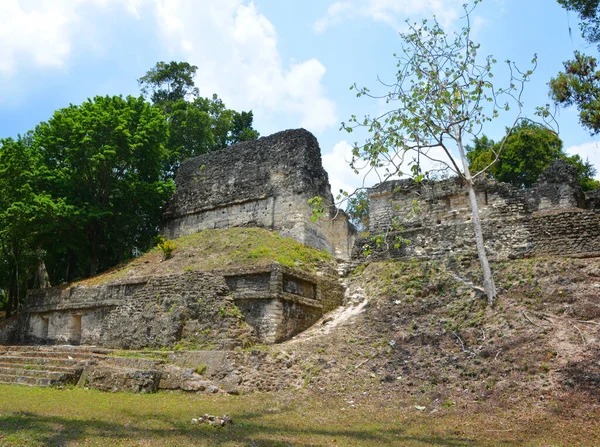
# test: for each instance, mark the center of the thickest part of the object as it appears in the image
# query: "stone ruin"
(267, 183)
(554, 217)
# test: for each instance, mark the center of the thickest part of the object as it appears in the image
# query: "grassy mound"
(217, 249)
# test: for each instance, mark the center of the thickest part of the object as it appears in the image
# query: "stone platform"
(111, 370)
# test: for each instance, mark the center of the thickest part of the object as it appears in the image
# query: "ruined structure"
(264, 183)
(553, 217)
(268, 183)
(221, 309)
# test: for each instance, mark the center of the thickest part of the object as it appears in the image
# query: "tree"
(441, 97)
(579, 83)
(589, 14)
(167, 83)
(358, 210)
(529, 150)
(196, 125)
(104, 158)
(28, 215)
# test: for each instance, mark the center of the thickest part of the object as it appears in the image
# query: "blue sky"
(290, 61)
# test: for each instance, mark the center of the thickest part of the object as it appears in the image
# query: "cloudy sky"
(290, 61)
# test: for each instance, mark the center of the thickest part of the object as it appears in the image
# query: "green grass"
(77, 417)
(217, 249)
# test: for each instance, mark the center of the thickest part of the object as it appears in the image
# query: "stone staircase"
(44, 365)
(97, 368)
(146, 371)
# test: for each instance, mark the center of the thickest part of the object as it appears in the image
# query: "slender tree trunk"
(488, 280)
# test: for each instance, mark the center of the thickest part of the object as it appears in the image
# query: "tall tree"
(579, 83)
(529, 150)
(441, 97)
(196, 125)
(105, 159)
(167, 83)
(28, 216)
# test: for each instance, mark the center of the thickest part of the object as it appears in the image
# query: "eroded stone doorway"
(75, 338)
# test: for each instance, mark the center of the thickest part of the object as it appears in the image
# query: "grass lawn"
(78, 417)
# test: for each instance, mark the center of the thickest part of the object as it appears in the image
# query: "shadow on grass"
(29, 429)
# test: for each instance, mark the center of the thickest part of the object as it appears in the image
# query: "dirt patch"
(424, 335)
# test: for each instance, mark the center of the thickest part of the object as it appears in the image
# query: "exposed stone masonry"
(218, 309)
(267, 183)
(549, 218)
(264, 183)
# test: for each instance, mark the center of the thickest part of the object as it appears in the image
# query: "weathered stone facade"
(218, 309)
(553, 217)
(264, 183)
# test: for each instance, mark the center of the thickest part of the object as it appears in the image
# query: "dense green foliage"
(81, 191)
(87, 188)
(579, 83)
(105, 158)
(28, 214)
(527, 151)
(197, 125)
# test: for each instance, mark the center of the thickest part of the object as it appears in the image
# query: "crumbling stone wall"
(264, 183)
(193, 310)
(550, 218)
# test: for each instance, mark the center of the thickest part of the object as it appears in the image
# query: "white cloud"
(390, 12)
(588, 151)
(342, 177)
(232, 43)
(235, 48)
(40, 32)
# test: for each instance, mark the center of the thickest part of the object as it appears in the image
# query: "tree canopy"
(528, 150)
(579, 82)
(80, 191)
(104, 157)
(86, 188)
(28, 215)
(196, 125)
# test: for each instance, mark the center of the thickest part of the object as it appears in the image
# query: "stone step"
(132, 362)
(29, 366)
(83, 350)
(28, 380)
(50, 354)
(39, 360)
(40, 373)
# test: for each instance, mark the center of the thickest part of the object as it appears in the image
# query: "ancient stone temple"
(265, 183)
(552, 217)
